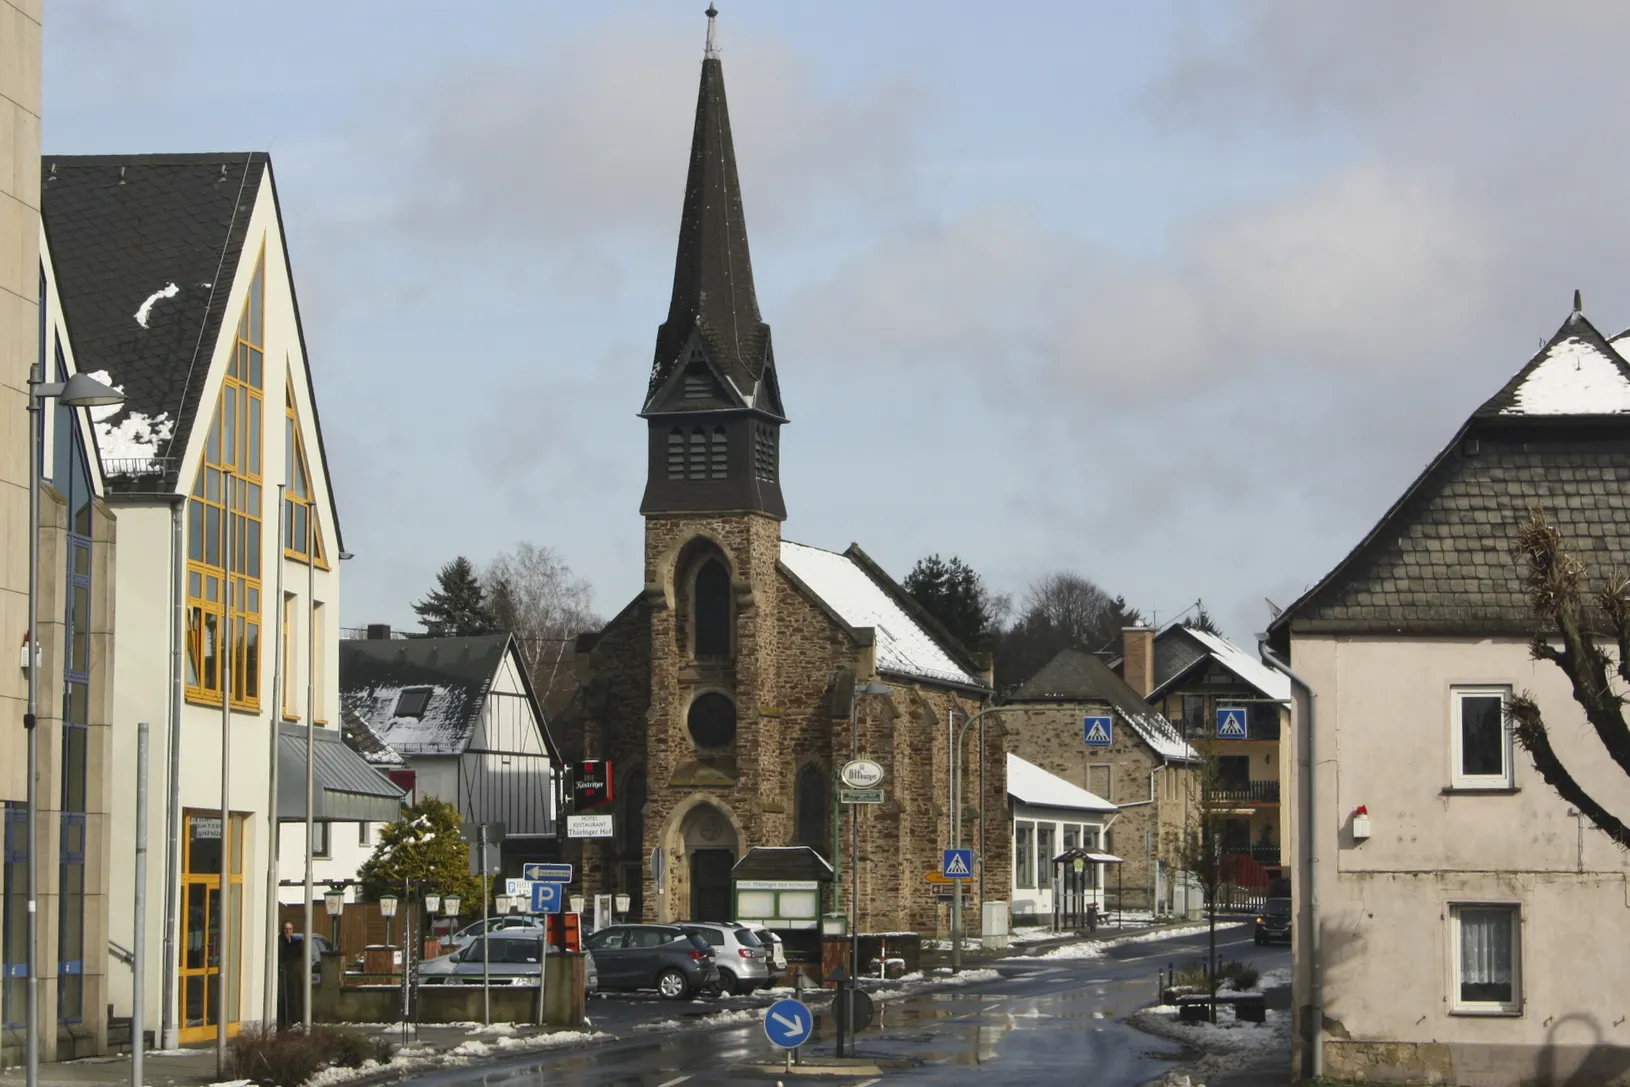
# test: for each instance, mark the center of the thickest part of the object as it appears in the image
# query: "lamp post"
(334, 901)
(387, 910)
(79, 391)
(869, 687)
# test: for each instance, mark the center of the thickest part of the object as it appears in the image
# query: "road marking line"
(673, 1082)
(868, 1083)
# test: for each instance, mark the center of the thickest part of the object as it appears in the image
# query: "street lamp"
(387, 910)
(450, 904)
(334, 900)
(432, 902)
(79, 391)
(869, 687)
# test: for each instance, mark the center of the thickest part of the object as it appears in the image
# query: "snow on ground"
(1093, 949)
(912, 984)
(731, 1018)
(415, 1059)
(1225, 1046)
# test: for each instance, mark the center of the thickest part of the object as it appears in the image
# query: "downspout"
(274, 979)
(1308, 861)
(172, 814)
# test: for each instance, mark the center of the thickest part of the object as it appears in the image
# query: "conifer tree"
(457, 607)
(423, 846)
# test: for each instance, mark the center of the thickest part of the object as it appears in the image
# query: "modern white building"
(1051, 816)
(1465, 910)
(176, 282)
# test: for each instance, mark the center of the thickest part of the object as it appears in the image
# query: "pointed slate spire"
(713, 271)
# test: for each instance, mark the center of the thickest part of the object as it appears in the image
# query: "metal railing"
(1245, 792)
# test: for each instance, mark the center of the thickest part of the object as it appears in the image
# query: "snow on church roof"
(1031, 784)
(1574, 378)
(903, 646)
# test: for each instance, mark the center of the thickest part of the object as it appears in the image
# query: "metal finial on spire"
(712, 51)
(1578, 301)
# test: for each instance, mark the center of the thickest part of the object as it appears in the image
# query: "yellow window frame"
(302, 531)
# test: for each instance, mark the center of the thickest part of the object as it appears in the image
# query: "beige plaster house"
(1467, 933)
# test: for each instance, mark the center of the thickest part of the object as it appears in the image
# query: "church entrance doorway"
(710, 884)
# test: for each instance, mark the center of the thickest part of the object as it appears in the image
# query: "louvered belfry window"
(698, 453)
(764, 453)
(676, 454)
(719, 459)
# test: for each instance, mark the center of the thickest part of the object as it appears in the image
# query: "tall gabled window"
(809, 806)
(710, 610)
(676, 454)
(302, 535)
(224, 523)
(719, 458)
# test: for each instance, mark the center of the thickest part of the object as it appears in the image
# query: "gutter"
(1307, 860)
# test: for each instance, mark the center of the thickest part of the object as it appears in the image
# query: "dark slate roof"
(1176, 651)
(1575, 344)
(121, 227)
(1077, 676)
(1441, 561)
(458, 671)
(713, 295)
(360, 737)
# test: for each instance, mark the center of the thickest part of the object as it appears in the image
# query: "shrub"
(1246, 977)
(291, 1057)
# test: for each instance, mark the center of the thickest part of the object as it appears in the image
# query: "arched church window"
(809, 807)
(720, 458)
(676, 454)
(633, 830)
(712, 720)
(710, 610)
(698, 454)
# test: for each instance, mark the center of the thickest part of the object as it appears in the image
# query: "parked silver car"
(514, 962)
(503, 923)
(773, 946)
(744, 965)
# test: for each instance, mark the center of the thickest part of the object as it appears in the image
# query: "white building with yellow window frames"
(176, 280)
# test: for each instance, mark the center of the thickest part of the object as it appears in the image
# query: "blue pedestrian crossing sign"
(1097, 731)
(957, 864)
(788, 1024)
(546, 898)
(1231, 722)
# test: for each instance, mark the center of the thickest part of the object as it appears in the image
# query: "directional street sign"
(546, 898)
(940, 878)
(547, 873)
(788, 1024)
(860, 796)
(957, 864)
(1231, 722)
(1097, 731)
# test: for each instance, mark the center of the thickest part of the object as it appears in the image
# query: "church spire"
(713, 405)
(713, 271)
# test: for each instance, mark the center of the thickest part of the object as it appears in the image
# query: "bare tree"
(534, 594)
(1062, 610)
(1196, 846)
(1556, 581)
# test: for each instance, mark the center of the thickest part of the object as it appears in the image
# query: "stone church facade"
(725, 693)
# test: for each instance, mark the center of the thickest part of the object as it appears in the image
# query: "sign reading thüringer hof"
(589, 826)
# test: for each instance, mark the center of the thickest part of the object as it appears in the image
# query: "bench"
(1248, 1007)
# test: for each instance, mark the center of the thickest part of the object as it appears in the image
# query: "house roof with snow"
(423, 696)
(1440, 561)
(1077, 676)
(360, 737)
(854, 590)
(1182, 652)
(1030, 784)
(145, 248)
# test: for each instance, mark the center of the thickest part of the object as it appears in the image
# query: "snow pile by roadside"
(1226, 1046)
(415, 1059)
(733, 1017)
(1094, 948)
(912, 984)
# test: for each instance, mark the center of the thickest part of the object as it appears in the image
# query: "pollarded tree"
(1557, 584)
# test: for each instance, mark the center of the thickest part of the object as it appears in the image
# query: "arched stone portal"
(703, 841)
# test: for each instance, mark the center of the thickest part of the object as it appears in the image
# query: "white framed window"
(1024, 854)
(363, 837)
(1486, 953)
(1481, 739)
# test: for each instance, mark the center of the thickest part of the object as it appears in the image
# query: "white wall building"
(1051, 816)
(1463, 913)
(176, 281)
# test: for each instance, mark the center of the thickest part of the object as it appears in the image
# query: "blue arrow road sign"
(1230, 722)
(547, 873)
(957, 864)
(788, 1024)
(546, 898)
(1097, 731)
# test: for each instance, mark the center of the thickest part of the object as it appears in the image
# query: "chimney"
(379, 632)
(1138, 658)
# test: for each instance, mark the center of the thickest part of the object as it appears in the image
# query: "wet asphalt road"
(1042, 1022)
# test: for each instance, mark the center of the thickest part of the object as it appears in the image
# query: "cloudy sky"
(1179, 296)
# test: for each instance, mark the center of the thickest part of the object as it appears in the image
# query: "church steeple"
(712, 404)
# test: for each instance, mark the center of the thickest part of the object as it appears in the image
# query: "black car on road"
(1273, 923)
(676, 963)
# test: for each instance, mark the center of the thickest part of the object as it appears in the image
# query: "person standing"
(289, 949)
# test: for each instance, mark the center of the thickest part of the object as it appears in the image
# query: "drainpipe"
(274, 979)
(172, 840)
(1308, 861)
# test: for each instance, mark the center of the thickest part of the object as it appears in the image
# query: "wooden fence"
(361, 925)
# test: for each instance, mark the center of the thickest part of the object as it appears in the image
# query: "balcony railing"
(1245, 792)
(1266, 855)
